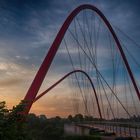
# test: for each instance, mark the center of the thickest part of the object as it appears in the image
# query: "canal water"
(72, 129)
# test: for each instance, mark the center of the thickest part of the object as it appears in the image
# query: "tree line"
(12, 126)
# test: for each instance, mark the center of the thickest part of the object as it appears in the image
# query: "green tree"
(78, 118)
(11, 125)
(70, 118)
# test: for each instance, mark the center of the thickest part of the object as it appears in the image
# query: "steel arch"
(64, 77)
(35, 86)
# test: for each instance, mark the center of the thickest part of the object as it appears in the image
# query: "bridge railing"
(120, 128)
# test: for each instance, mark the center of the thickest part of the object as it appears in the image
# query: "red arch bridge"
(101, 64)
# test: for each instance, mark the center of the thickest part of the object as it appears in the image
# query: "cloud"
(10, 82)
(3, 66)
(27, 31)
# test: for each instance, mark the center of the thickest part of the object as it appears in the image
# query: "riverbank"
(97, 138)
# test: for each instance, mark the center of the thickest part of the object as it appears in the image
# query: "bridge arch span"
(64, 77)
(35, 86)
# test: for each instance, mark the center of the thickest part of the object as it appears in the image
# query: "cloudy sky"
(28, 28)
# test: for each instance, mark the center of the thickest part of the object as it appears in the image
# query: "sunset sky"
(27, 30)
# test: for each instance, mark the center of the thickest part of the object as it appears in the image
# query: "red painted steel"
(35, 86)
(64, 77)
